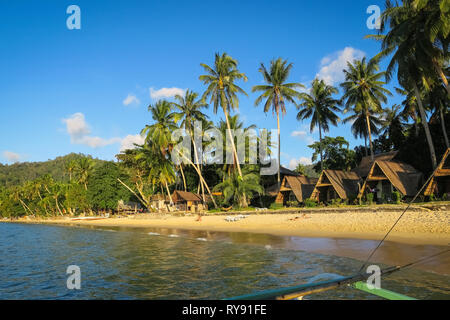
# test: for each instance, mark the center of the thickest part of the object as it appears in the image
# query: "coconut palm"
(320, 106)
(359, 126)
(83, 170)
(160, 132)
(419, 28)
(71, 168)
(364, 91)
(393, 126)
(189, 113)
(222, 89)
(438, 100)
(276, 92)
(237, 189)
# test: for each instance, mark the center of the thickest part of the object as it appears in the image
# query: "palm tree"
(437, 98)
(364, 91)
(320, 106)
(410, 108)
(276, 93)
(222, 89)
(420, 28)
(359, 126)
(83, 170)
(159, 144)
(393, 126)
(235, 123)
(410, 41)
(190, 112)
(238, 189)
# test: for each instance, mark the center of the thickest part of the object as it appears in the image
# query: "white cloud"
(332, 66)
(79, 132)
(129, 141)
(11, 156)
(131, 99)
(295, 162)
(165, 93)
(303, 135)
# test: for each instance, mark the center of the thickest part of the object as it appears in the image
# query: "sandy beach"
(421, 227)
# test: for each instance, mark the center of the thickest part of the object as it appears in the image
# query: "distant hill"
(15, 174)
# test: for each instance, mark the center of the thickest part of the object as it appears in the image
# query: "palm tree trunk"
(370, 135)
(201, 179)
(425, 126)
(444, 130)
(199, 170)
(168, 192)
(279, 147)
(442, 75)
(184, 179)
(320, 147)
(365, 144)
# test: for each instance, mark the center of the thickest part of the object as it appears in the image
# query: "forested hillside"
(18, 173)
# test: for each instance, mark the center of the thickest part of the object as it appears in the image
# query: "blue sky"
(66, 90)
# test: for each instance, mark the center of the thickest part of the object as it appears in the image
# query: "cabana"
(336, 184)
(187, 201)
(366, 162)
(439, 184)
(295, 189)
(385, 177)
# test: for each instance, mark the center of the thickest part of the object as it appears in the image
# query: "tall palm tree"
(359, 126)
(320, 106)
(189, 112)
(159, 144)
(410, 108)
(276, 93)
(420, 28)
(411, 42)
(439, 101)
(364, 91)
(222, 89)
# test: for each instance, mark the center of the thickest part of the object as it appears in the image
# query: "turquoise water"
(168, 264)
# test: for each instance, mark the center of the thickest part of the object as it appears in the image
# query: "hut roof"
(366, 163)
(403, 177)
(345, 183)
(158, 197)
(301, 186)
(286, 172)
(179, 196)
(442, 170)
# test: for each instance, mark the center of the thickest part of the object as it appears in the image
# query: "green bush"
(336, 202)
(397, 197)
(444, 197)
(310, 203)
(276, 206)
(292, 203)
(432, 197)
(369, 198)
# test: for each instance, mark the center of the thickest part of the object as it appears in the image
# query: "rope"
(398, 220)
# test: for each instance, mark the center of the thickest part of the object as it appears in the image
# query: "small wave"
(268, 247)
(202, 239)
(153, 234)
(174, 236)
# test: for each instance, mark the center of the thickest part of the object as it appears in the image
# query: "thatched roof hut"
(440, 182)
(366, 163)
(386, 176)
(183, 196)
(336, 184)
(299, 187)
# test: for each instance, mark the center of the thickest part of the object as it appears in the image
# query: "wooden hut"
(158, 202)
(297, 188)
(366, 163)
(187, 201)
(439, 184)
(336, 184)
(385, 177)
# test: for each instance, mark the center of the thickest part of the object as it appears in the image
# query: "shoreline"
(424, 228)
